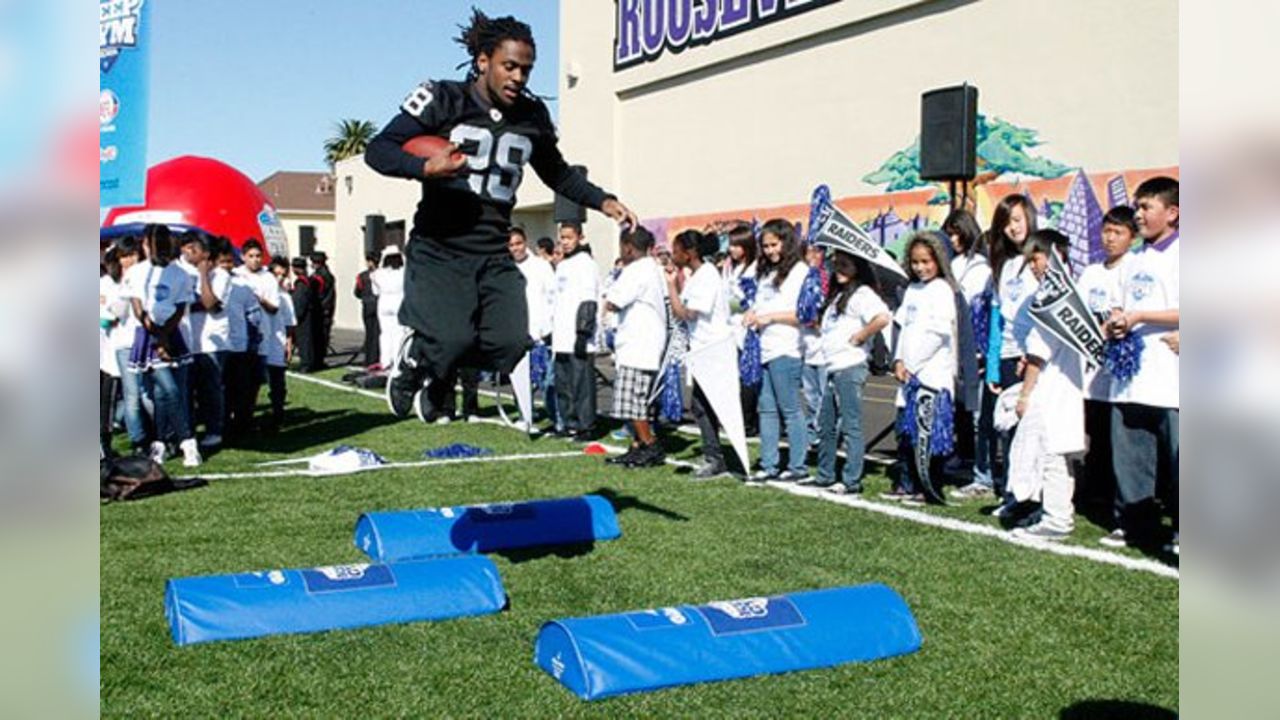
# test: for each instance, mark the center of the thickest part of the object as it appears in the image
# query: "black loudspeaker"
(375, 227)
(567, 210)
(948, 133)
(306, 240)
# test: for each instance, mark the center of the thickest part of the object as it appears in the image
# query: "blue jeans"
(173, 424)
(813, 378)
(206, 376)
(780, 401)
(991, 448)
(843, 395)
(131, 385)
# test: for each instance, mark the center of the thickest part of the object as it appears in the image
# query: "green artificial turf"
(1008, 632)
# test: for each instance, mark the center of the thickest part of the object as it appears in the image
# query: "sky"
(260, 85)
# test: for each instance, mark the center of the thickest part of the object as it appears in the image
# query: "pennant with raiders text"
(830, 227)
(1060, 309)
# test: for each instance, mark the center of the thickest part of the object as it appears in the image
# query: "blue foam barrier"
(606, 655)
(401, 535)
(233, 607)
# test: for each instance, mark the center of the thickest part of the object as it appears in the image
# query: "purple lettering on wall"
(627, 43)
(653, 26)
(648, 28)
(705, 14)
(734, 13)
(679, 22)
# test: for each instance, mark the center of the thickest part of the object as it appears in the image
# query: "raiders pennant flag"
(830, 227)
(926, 410)
(715, 368)
(1060, 309)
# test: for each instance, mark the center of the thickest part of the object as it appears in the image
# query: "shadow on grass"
(305, 429)
(623, 503)
(1103, 709)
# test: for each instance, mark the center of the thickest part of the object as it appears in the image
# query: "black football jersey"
(471, 213)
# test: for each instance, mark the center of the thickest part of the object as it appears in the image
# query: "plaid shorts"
(631, 393)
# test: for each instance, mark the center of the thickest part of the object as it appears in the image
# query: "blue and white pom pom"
(810, 302)
(1122, 357)
(749, 365)
(539, 362)
(456, 450)
(943, 438)
(672, 401)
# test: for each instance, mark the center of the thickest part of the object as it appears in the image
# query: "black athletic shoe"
(648, 456)
(625, 458)
(408, 376)
(584, 436)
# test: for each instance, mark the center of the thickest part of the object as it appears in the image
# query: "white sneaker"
(1174, 546)
(190, 453)
(971, 491)
(1115, 540)
(1040, 531)
(158, 452)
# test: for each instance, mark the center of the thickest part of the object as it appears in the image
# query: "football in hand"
(428, 147)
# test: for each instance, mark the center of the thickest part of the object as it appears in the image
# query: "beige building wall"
(359, 192)
(323, 223)
(760, 118)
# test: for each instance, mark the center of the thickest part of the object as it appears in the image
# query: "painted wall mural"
(1070, 199)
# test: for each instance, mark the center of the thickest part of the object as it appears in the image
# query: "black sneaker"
(584, 436)
(648, 456)
(408, 375)
(425, 409)
(625, 458)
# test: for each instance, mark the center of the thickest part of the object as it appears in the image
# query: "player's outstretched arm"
(385, 154)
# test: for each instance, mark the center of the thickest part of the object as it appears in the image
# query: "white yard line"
(304, 472)
(896, 511)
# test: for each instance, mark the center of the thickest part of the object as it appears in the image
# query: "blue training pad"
(596, 657)
(402, 535)
(231, 607)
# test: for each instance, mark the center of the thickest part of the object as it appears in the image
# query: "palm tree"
(351, 139)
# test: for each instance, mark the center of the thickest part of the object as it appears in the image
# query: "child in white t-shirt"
(1144, 418)
(638, 297)
(781, 275)
(1051, 409)
(704, 305)
(813, 376)
(853, 314)
(160, 291)
(1101, 284)
(925, 364)
(277, 347)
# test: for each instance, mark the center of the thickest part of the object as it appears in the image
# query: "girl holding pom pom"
(925, 364)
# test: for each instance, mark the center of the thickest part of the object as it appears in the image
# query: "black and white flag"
(1060, 309)
(830, 227)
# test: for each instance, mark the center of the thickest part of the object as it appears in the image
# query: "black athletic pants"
(576, 390)
(468, 309)
(371, 332)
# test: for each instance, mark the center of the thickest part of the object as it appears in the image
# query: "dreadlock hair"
(485, 34)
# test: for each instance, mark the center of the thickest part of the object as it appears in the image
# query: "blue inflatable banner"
(233, 607)
(123, 61)
(402, 535)
(596, 657)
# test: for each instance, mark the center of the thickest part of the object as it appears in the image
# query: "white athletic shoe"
(190, 453)
(158, 452)
(1115, 539)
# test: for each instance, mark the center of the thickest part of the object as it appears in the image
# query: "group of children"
(989, 399)
(190, 328)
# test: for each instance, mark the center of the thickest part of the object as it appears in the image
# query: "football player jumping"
(464, 298)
